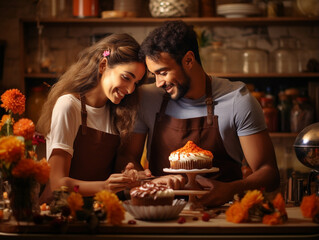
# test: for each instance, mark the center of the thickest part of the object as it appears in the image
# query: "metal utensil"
(307, 151)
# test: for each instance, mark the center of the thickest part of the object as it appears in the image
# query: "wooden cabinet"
(60, 31)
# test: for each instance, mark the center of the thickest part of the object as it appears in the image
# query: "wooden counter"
(297, 227)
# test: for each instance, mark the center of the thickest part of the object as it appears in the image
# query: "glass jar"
(270, 113)
(302, 114)
(254, 60)
(35, 102)
(285, 56)
(217, 58)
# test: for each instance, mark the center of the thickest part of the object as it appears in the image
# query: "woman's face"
(121, 80)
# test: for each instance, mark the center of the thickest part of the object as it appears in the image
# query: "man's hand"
(173, 181)
(219, 192)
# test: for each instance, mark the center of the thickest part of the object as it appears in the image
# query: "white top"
(66, 120)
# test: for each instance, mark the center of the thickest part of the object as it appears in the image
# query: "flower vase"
(24, 197)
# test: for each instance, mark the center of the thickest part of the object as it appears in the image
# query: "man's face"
(169, 75)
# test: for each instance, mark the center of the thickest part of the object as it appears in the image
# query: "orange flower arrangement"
(13, 100)
(310, 206)
(25, 128)
(75, 202)
(254, 206)
(112, 206)
(18, 159)
(17, 152)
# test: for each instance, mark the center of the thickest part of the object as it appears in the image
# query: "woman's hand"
(118, 182)
(136, 175)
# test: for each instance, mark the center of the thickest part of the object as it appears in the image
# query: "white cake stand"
(192, 188)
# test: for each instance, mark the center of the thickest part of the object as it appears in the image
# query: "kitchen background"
(278, 59)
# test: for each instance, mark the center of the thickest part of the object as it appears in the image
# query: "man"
(187, 104)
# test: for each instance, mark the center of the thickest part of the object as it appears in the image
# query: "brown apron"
(93, 157)
(94, 152)
(172, 133)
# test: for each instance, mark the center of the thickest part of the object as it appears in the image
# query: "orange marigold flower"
(24, 169)
(272, 219)
(25, 128)
(42, 171)
(251, 198)
(279, 203)
(237, 213)
(5, 118)
(75, 202)
(309, 206)
(112, 206)
(13, 100)
(11, 149)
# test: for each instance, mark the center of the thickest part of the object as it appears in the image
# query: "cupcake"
(152, 194)
(191, 157)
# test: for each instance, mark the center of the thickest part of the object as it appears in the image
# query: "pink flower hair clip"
(106, 53)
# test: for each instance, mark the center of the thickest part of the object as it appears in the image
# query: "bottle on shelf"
(270, 113)
(254, 59)
(285, 56)
(284, 108)
(302, 114)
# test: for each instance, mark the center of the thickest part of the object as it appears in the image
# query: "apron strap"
(166, 98)
(83, 114)
(209, 101)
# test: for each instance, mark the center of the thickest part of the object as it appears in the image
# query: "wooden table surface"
(296, 227)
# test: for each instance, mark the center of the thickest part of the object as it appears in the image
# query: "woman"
(87, 112)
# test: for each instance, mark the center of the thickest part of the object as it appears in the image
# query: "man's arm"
(260, 155)
(131, 150)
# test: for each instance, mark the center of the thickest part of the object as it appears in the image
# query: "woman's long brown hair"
(84, 75)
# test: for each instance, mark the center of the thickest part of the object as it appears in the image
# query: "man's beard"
(183, 88)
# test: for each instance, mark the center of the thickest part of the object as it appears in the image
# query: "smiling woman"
(91, 106)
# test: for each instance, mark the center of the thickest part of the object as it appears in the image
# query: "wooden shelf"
(220, 21)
